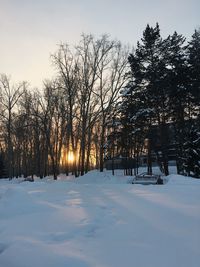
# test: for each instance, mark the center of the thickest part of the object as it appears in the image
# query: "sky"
(31, 30)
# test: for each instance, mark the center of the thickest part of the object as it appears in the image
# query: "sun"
(70, 157)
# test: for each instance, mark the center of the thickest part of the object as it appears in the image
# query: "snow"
(125, 91)
(142, 113)
(99, 220)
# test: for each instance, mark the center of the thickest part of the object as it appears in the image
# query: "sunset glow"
(70, 157)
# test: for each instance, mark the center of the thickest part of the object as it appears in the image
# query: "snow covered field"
(99, 221)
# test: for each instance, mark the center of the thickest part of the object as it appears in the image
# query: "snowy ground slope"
(99, 221)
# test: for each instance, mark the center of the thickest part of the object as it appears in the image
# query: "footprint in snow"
(3, 247)
(60, 237)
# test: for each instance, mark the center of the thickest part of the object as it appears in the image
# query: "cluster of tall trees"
(163, 92)
(66, 125)
(63, 125)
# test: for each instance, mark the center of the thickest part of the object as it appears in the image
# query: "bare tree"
(9, 97)
(23, 140)
(68, 70)
(112, 70)
(91, 75)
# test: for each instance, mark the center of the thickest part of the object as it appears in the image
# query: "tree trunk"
(101, 151)
(88, 150)
(149, 160)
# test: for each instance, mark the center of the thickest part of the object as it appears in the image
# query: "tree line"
(65, 125)
(40, 129)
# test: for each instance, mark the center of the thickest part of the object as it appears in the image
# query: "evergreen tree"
(191, 159)
(148, 70)
(191, 153)
(194, 71)
(178, 89)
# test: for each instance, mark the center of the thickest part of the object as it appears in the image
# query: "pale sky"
(30, 30)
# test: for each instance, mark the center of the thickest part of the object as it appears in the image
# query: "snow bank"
(182, 180)
(96, 177)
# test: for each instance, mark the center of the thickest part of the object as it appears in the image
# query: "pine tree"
(178, 89)
(191, 159)
(194, 71)
(191, 147)
(148, 69)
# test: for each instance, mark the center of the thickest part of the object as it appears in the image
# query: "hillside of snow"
(99, 220)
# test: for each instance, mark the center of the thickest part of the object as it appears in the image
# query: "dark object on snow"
(146, 179)
(29, 179)
(159, 180)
